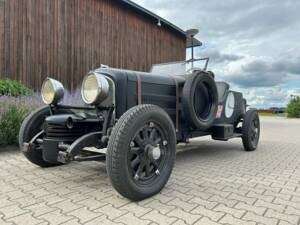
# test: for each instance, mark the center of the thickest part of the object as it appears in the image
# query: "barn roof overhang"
(161, 21)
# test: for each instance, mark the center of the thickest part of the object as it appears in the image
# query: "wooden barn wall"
(65, 39)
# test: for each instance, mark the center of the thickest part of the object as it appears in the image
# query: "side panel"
(238, 111)
(156, 89)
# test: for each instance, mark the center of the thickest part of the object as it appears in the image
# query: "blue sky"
(254, 45)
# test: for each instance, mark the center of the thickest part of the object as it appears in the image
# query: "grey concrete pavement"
(212, 183)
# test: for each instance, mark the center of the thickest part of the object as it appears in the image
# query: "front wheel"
(30, 127)
(141, 152)
(251, 130)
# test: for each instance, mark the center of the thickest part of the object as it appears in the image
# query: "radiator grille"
(63, 133)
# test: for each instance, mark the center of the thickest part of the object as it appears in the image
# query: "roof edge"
(153, 15)
(162, 20)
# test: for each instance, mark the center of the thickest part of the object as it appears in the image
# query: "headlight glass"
(90, 89)
(95, 88)
(52, 91)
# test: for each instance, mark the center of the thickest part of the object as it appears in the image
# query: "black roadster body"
(134, 120)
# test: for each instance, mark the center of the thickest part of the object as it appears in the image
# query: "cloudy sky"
(254, 45)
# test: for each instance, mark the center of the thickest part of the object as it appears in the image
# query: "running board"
(235, 135)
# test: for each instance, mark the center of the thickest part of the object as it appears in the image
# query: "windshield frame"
(183, 62)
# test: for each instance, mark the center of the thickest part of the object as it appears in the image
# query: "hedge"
(13, 88)
(293, 108)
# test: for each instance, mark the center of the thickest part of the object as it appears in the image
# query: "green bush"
(10, 122)
(13, 88)
(293, 108)
(12, 112)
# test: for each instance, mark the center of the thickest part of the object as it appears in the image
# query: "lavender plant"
(29, 102)
(73, 98)
(13, 110)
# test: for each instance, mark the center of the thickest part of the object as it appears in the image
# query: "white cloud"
(266, 97)
(260, 71)
(219, 57)
(295, 92)
(254, 45)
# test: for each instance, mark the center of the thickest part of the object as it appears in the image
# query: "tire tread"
(245, 130)
(116, 140)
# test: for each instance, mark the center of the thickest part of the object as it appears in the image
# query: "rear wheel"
(141, 152)
(251, 130)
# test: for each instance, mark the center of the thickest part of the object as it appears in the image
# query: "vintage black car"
(134, 120)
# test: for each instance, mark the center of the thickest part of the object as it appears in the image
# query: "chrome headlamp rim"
(57, 90)
(101, 90)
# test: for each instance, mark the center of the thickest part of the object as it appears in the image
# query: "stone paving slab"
(212, 183)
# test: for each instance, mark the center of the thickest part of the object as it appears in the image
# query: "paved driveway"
(212, 183)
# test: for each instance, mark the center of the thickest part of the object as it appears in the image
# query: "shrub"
(293, 108)
(10, 123)
(13, 88)
(13, 110)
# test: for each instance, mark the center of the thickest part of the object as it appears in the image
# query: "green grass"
(272, 114)
(266, 114)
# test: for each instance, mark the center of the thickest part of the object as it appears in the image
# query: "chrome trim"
(111, 99)
(103, 88)
(58, 89)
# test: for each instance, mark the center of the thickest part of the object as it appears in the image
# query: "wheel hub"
(156, 153)
(153, 152)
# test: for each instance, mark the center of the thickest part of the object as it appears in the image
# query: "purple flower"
(29, 102)
(72, 98)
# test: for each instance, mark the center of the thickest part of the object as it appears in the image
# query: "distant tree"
(293, 108)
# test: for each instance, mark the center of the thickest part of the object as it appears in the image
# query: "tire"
(200, 100)
(122, 172)
(245, 105)
(251, 130)
(29, 128)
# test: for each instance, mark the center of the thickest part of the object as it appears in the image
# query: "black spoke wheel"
(141, 152)
(251, 130)
(148, 153)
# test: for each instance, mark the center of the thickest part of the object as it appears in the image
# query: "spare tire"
(200, 100)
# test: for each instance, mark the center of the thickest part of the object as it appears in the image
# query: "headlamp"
(95, 88)
(52, 91)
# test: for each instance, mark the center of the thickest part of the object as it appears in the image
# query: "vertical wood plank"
(6, 63)
(64, 39)
(2, 18)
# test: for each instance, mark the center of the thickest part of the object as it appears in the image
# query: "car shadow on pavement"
(200, 150)
(209, 149)
(10, 148)
(197, 153)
